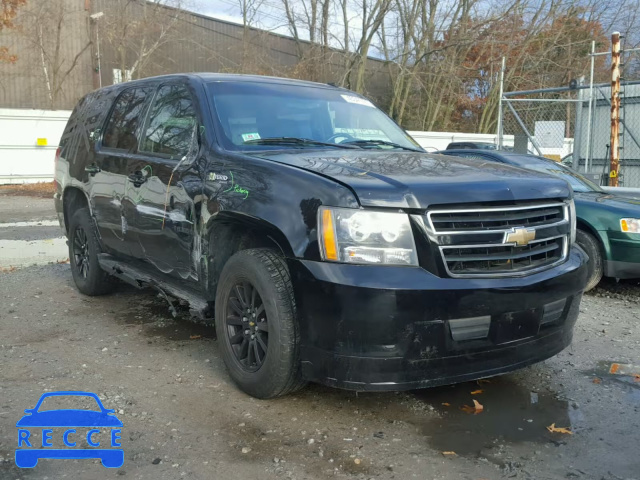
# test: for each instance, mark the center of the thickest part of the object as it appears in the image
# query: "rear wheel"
(596, 264)
(256, 324)
(83, 256)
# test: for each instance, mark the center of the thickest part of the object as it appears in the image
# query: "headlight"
(572, 219)
(364, 237)
(630, 225)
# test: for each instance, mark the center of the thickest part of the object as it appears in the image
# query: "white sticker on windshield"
(358, 100)
(250, 136)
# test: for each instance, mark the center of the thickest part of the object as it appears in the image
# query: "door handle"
(92, 169)
(137, 179)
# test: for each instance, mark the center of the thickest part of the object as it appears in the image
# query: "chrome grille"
(496, 218)
(501, 241)
(503, 258)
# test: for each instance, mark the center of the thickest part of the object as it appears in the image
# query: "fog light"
(378, 255)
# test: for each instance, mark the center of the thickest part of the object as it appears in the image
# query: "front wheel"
(255, 317)
(596, 265)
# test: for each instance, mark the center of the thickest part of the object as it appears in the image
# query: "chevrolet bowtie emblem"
(520, 236)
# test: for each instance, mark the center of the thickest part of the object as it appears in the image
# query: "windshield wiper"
(295, 141)
(374, 143)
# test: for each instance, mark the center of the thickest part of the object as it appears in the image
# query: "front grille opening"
(503, 258)
(497, 219)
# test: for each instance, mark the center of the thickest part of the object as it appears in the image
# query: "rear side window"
(170, 130)
(125, 119)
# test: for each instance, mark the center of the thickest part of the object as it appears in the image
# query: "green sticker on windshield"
(250, 136)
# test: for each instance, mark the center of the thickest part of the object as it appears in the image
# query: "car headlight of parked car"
(572, 219)
(366, 237)
(630, 225)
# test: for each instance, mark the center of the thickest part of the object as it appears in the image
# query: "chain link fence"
(573, 125)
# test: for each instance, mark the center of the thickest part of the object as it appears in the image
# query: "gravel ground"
(183, 418)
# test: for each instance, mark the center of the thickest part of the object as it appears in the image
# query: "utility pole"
(500, 127)
(614, 168)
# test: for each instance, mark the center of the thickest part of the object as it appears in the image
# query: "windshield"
(250, 112)
(577, 181)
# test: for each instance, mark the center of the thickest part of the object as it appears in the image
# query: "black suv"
(325, 242)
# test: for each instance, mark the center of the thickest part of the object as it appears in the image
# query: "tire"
(256, 283)
(84, 248)
(596, 265)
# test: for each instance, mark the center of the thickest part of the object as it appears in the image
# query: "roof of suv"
(209, 77)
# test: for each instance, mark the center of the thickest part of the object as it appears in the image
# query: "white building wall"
(21, 159)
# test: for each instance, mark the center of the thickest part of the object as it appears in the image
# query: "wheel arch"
(73, 198)
(230, 232)
(591, 230)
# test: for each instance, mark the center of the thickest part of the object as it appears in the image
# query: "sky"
(272, 16)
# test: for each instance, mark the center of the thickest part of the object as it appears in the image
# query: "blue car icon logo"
(98, 423)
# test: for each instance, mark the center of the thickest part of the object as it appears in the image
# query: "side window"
(170, 130)
(125, 119)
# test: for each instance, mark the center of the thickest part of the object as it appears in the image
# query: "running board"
(139, 278)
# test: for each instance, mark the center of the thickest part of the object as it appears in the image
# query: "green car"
(608, 223)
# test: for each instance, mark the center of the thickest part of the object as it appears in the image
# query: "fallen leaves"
(195, 337)
(8, 269)
(597, 380)
(446, 404)
(449, 453)
(40, 189)
(625, 370)
(477, 392)
(553, 429)
(476, 409)
(63, 262)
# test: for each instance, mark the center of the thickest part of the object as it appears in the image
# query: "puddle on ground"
(622, 374)
(511, 414)
(23, 253)
(178, 330)
(147, 310)
(153, 312)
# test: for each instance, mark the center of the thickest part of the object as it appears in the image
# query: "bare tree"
(8, 11)
(44, 25)
(249, 9)
(137, 29)
(372, 14)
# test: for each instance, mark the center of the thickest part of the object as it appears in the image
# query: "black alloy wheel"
(81, 251)
(247, 326)
(84, 249)
(257, 324)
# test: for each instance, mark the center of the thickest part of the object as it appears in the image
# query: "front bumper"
(396, 328)
(625, 256)
(617, 269)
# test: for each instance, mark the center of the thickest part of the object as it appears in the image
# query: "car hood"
(69, 418)
(405, 179)
(609, 201)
